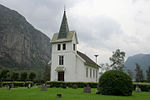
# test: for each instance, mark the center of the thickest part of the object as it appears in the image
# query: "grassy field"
(68, 94)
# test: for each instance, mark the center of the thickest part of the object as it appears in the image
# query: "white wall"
(74, 64)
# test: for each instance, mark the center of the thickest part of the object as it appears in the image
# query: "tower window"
(61, 60)
(74, 47)
(58, 47)
(64, 46)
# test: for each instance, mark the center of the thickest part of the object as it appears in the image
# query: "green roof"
(64, 29)
(67, 39)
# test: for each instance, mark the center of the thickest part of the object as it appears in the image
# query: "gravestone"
(137, 89)
(44, 88)
(87, 89)
(9, 87)
(29, 85)
(39, 86)
(12, 85)
(98, 90)
(59, 95)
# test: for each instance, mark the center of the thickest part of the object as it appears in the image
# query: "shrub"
(71, 84)
(115, 82)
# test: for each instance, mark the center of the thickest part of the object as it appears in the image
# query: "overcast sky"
(102, 26)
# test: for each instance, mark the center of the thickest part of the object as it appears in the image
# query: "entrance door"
(60, 76)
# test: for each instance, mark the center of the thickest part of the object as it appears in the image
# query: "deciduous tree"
(117, 60)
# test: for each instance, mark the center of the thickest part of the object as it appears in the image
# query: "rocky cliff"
(21, 45)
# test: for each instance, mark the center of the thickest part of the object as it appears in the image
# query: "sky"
(102, 26)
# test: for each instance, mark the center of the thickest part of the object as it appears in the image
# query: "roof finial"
(64, 8)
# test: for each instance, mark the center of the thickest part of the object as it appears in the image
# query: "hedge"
(71, 84)
(143, 87)
(17, 83)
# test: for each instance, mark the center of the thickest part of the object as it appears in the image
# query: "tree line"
(117, 63)
(139, 75)
(9, 75)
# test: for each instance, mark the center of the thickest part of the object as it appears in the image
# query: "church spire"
(64, 29)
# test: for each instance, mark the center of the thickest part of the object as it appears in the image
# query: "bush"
(143, 87)
(115, 82)
(71, 84)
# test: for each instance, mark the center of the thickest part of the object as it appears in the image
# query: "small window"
(90, 72)
(64, 46)
(86, 72)
(74, 47)
(61, 60)
(58, 47)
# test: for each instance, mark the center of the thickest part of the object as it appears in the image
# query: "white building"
(67, 63)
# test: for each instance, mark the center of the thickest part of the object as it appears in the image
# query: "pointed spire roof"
(64, 29)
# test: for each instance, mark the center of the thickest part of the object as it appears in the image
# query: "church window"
(58, 47)
(86, 72)
(74, 47)
(93, 73)
(61, 60)
(90, 72)
(64, 46)
(96, 74)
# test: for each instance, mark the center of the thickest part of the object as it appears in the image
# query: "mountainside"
(142, 59)
(21, 45)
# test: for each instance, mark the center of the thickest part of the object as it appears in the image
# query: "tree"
(24, 76)
(117, 60)
(47, 73)
(4, 74)
(139, 77)
(32, 76)
(130, 73)
(148, 74)
(104, 67)
(15, 76)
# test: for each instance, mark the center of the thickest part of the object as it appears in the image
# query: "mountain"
(142, 59)
(21, 45)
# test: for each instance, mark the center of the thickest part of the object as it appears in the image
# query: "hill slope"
(142, 59)
(21, 45)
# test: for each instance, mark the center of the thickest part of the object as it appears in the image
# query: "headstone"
(29, 85)
(59, 95)
(87, 89)
(98, 90)
(137, 89)
(9, 87)
(39, 86)
(44, 88)
(48, 86)
(12, 85)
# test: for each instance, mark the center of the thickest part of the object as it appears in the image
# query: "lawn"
(68, 94)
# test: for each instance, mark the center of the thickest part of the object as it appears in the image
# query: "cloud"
(102, 26)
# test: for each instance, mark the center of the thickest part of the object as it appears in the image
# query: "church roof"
(64, 29)
(68, 38)
(88, 61)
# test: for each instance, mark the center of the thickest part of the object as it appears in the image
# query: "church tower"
(64, 50)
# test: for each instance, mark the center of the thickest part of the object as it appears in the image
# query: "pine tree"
(148, 74)
(139, 77)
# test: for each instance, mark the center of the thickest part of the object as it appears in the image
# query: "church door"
(60, 76)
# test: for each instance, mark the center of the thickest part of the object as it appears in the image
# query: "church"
(67, 63)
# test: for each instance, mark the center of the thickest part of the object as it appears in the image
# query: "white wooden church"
(68, 64)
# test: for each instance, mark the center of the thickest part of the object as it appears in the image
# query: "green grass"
(68, 94)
